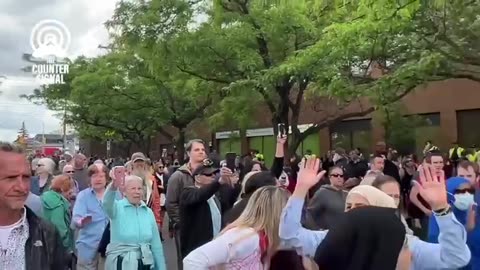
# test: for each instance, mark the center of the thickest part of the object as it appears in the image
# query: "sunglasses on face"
(465, 190)
(208, 174)
(336, 175)
(70, 171)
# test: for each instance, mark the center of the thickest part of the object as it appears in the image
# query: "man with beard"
(150, 191)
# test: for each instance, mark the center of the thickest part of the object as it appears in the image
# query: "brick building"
(450, 109)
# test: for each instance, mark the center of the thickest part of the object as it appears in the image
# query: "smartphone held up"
(282, 130)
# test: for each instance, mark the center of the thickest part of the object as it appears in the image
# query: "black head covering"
(367, 238)
(259, 180)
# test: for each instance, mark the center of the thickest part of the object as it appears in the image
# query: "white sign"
(50, 40)
(227, 134)
(109, 145)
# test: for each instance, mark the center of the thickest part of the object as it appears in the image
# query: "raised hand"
(281, 139)
(118, 176)
(308, 174)
(431, 187)
(225, 175)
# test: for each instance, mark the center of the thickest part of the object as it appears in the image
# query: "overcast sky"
(84, 19)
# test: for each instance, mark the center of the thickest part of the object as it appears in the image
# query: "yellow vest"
(472, 157)
(459, 152)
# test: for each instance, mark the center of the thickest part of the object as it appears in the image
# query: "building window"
(352, 134)
(467, 128)
(427, 129)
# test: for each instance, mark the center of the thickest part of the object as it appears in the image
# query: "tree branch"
(205, 78)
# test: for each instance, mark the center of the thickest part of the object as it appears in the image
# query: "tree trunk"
(294, 143)
(180, 143)
(148, 144)
(141, 145)
(128, 148)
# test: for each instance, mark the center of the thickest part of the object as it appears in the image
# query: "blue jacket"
(473, 237)
(133, 225)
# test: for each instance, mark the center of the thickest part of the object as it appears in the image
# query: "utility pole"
(43, 133)
(64, 126)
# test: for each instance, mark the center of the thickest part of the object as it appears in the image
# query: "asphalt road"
(169, 250)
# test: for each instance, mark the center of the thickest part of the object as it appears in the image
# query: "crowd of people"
(338, 212)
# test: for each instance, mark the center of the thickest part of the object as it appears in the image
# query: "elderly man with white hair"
(44, 175)
(151, 195)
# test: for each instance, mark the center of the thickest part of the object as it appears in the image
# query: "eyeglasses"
(336, 175)
(394, 196)
(465, 190)
(161, 167)
(70, 171)
(207, 174)
(207, 162)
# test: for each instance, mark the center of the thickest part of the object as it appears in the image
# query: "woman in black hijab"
(367, 238)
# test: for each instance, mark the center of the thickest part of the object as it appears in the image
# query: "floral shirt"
(12, 256)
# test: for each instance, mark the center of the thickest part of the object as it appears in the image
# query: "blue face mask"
(463, 201)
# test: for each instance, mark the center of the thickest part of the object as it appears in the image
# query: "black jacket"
(44, 248)
(232, 214)
(356, 169)
(392, 170)
(196, 226)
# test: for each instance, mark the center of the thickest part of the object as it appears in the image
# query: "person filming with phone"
(135, 240)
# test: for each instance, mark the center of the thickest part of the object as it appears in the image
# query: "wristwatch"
(443, 212)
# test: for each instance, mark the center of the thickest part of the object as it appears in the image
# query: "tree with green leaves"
(101, 96)
(278, 56)
(150, 30)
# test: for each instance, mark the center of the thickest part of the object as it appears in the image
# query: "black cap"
(207, 168)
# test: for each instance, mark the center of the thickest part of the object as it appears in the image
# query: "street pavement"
(169, 249)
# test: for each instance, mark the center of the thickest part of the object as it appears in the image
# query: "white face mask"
(463, 201)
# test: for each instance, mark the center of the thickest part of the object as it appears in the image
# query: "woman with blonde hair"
(250, 241)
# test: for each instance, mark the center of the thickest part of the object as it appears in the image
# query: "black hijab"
(367, 238)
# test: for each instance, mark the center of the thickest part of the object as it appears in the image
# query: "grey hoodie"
(326, 206)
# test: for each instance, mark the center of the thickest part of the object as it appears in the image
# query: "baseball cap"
(207, 168)
(138, 157)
